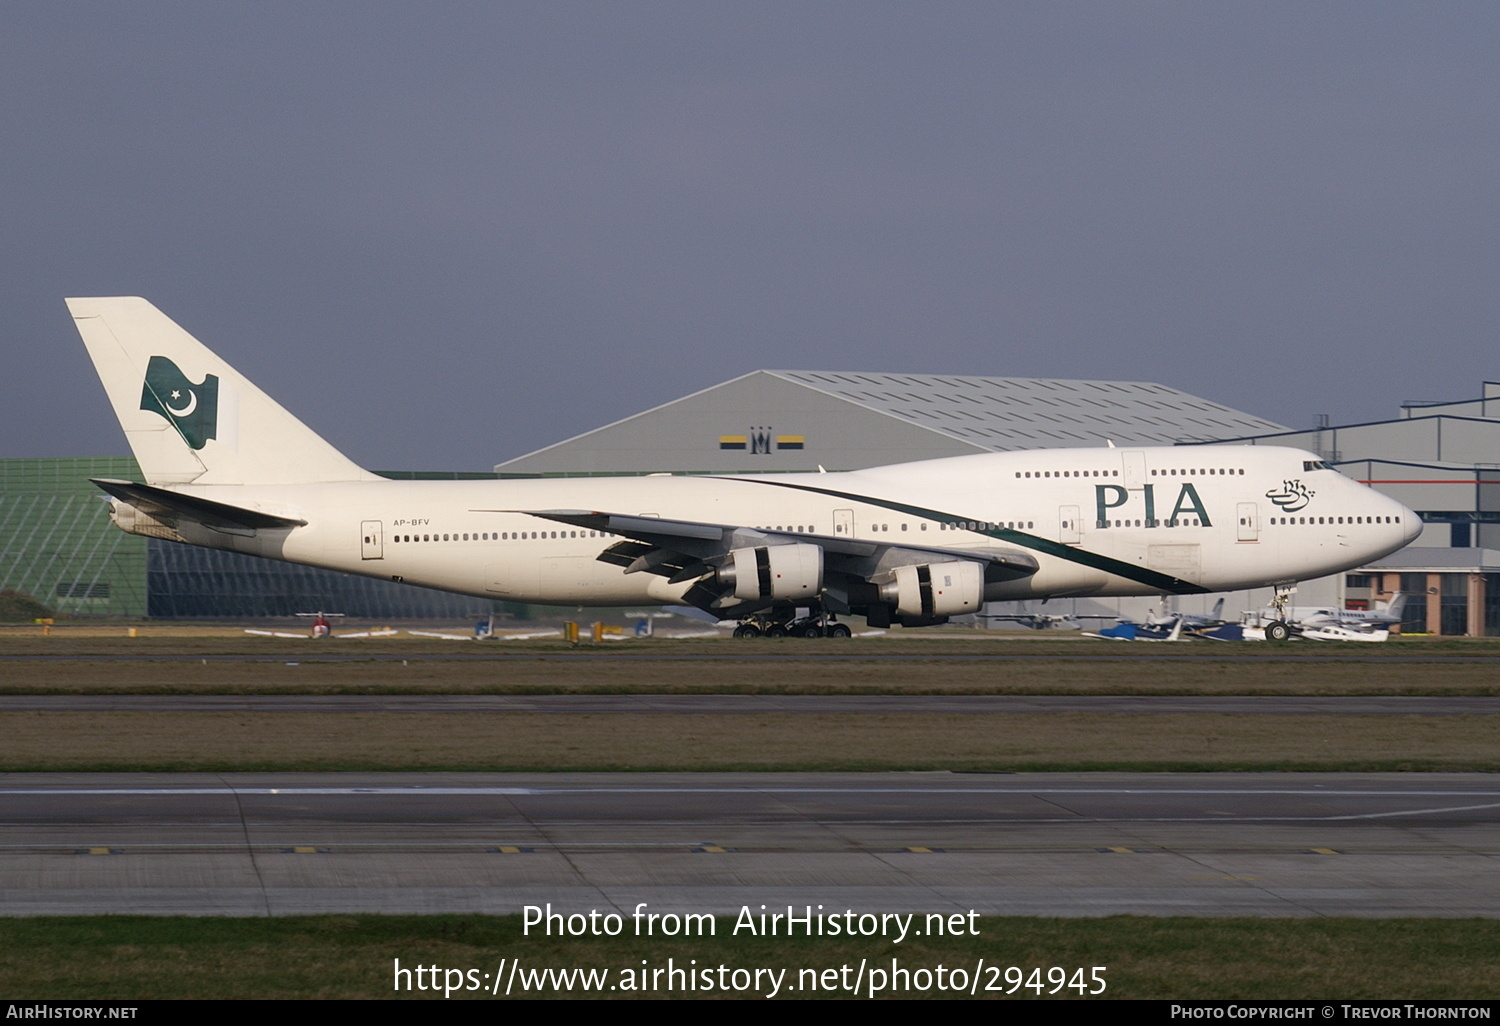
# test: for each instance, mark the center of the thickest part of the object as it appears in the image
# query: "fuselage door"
(1249, 526)
(370, 544)
(1134, 463)
(843, 523)
(1070, 531)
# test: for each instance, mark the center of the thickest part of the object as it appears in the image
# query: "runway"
(1024, 844)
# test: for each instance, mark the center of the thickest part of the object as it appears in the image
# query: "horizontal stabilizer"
(167, 505)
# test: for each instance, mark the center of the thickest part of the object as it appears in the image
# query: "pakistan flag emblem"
(193, 409)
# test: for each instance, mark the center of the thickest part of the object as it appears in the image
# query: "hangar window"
(82, 589)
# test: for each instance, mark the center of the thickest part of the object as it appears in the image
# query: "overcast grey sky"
(445, 234)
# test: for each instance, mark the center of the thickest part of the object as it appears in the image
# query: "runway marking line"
(544, 791)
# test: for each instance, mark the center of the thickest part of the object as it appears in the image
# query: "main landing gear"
(763, 626)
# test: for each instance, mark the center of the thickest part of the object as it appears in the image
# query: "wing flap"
(684, 550)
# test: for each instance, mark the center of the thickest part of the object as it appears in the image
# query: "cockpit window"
(1315, 465)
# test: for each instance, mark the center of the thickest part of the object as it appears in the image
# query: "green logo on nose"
(193, 409)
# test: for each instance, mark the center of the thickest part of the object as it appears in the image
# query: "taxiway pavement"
(1000, 844)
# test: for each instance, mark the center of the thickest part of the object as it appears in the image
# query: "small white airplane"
(1387, 614)
(1326, 623)
(321, 628)
(481, 637)
(912, 544)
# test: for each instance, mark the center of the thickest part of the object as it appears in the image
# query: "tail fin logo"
(193, 409)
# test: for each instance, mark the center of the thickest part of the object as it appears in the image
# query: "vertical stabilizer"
(189, 416)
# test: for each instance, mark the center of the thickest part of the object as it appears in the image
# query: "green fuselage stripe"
(1163, 583)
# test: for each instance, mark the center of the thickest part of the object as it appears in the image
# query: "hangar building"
(779, 421)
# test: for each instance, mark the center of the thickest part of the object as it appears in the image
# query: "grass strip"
(539, 675)
(343, 956)
(526, 741)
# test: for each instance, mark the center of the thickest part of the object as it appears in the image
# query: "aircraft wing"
(683, 550)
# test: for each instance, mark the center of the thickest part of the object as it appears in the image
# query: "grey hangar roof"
(781, 420)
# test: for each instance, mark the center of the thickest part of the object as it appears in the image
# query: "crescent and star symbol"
(189, 408)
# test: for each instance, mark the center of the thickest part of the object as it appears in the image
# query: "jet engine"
(927, 591)
(780, 572)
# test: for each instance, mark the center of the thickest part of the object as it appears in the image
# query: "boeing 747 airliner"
(914, 544)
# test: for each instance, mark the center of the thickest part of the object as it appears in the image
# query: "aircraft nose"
(1411, 523)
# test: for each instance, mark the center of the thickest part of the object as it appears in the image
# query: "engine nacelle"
(778, 572)
(929, 590)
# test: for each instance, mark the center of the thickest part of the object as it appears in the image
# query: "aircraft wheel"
(1277, 631)
(839, 630)
(811, 630)
(776, 630)
(747, 630)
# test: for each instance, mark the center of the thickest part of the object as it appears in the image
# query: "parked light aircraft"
(321, 628)
(1173, 626)
(913, 544)
(1325, 623)
(1387, 614)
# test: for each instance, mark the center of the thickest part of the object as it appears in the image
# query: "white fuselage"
(1097, 521)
